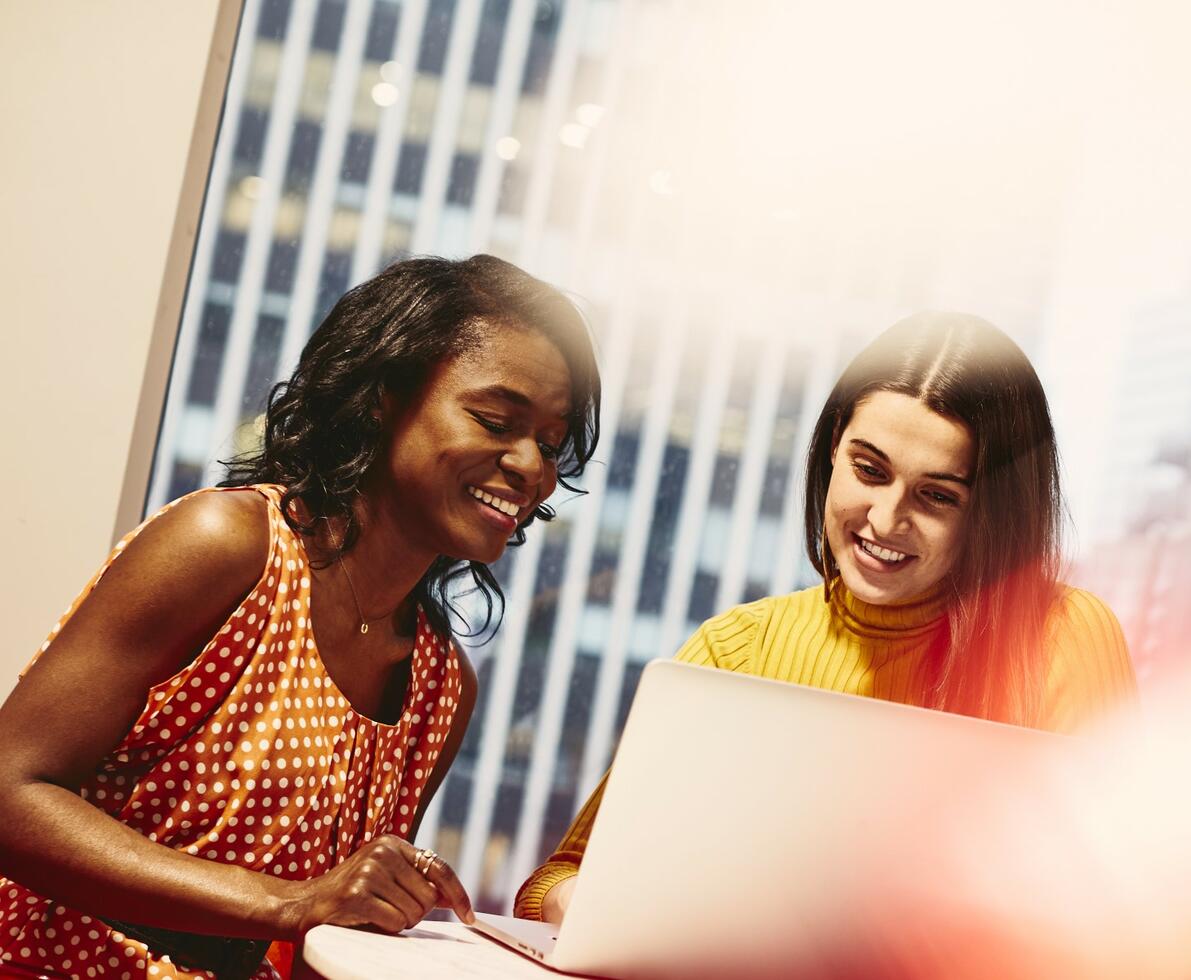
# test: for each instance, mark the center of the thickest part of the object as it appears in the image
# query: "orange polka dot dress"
(249, 755)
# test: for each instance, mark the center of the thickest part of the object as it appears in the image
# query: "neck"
(918, 615)
(384, 565)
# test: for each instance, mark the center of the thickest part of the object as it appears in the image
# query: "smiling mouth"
(886, 555)
(499, 504)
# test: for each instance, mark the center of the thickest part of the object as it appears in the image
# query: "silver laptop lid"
(744, 817)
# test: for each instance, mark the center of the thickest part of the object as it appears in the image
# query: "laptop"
(745, 820)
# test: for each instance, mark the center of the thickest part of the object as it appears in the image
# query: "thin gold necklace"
(364, 623)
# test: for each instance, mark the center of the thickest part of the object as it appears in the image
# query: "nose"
(522, 463)
(889, 513)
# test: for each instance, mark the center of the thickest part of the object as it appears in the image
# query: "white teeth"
(884, 554)
(496, 503)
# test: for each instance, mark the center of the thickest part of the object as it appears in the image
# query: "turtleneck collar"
(899, 621)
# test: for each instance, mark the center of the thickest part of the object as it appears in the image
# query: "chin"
(486, 552)
(492, 557)
(874, 595)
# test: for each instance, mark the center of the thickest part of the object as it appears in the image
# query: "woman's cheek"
(946, 544)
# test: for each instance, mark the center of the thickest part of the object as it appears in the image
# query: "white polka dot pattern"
(249, 755)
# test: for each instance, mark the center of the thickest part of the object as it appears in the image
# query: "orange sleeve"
(563, 863)
(1090, 669)
(720, 642)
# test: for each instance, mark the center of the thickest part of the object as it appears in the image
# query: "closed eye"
(941, 499)
(866, 471)
(500, 428)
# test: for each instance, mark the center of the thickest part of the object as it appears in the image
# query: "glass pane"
(740, 212)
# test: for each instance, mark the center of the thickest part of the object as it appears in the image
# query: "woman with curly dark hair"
(233, 733)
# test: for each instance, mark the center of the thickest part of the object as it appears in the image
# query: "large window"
(742, 194)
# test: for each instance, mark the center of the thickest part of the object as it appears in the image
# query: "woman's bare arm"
(149, 616)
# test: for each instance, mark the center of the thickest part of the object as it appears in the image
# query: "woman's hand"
(380, 886)
(556, 900)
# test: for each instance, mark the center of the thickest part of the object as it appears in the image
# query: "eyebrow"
(512, 395)
(944, 477)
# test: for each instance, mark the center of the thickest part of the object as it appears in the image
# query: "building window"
(513, 186)
(272, 20)
(410, 165)
(283, 262)
(262, 363)
(486, 57)
(541, 47)
(250, 136)
(208, 354)
(328, 25)
(303, 153)
(357, 157)
(332, 283)
(229, 254)
(464, 168)
(382, 31)
(435, 36)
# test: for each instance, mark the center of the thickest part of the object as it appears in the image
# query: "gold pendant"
(363, 627)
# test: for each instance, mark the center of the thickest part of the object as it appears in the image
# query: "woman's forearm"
(56, 843)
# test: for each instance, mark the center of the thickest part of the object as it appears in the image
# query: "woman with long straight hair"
(234, 731)
(933, 515)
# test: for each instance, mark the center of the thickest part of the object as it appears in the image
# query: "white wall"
(109, 115)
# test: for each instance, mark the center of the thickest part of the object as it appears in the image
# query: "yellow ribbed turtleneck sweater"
(877, 651)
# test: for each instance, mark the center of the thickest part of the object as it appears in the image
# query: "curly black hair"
(321, 432)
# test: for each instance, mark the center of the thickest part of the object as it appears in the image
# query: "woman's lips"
(885, 560)
(507, 523)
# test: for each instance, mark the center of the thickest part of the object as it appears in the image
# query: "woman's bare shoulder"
(224, 531)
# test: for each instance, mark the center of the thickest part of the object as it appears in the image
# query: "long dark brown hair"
(989, 661)
(321, 429)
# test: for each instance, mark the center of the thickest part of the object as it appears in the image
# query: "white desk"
(430, 951)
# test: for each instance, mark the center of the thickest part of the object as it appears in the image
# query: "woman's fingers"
(407, 877)
(390, 892)
(416, 880)
(451, 890)
(391, 885)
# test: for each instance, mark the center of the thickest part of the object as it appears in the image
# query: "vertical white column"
(260, 234)
(367, 257)
(717, 375)
(820, 380)
(751, 475)
(486, 777)
(655, 431)
(506, 91)
(441, 149)
(320, 205)
(558, 92)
